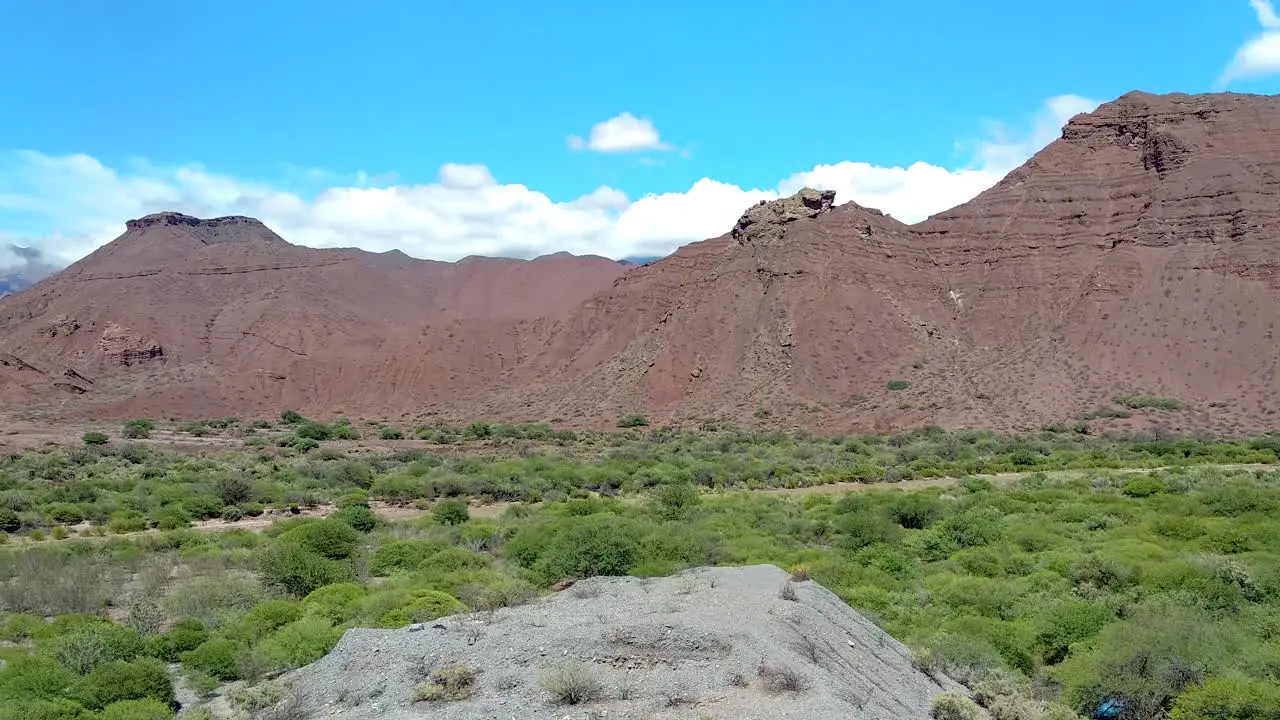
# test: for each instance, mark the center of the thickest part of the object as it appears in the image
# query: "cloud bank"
(466, 210)
(1260, 55)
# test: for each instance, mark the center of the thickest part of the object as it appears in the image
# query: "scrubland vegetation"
(1157, 591)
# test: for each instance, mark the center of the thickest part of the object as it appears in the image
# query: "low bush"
(117, 681)
(949, 706)
(148, 709)
(137, 429)
(451, 682)
(572, 683)
(95, 438)
(451, 512)
(780, 678)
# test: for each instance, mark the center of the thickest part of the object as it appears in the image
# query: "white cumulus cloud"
(622, 133)
(64, 206)
(1260, 55)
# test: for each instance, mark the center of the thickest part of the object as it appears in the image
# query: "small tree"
(451, 512)
(291, 417)
(138, 429)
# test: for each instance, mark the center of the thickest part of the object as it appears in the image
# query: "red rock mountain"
(1136, 255)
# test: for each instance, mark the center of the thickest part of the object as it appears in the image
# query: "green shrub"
(593, 545)
(1140, 402)
(170, 517)
(291, 417)
(1066, 622)
(1228, 698)
(451, 512)
(137, 429)
(896, 385)
(215, 657)
(422, 605)
(65, 513)
(300, 642)
(387, 433)
(34, 677)
(334, 602)
(949, 706)
(265, 618)
(329, 538)
(402, 555)
(92, 645)
(632, 421)
(186, 635)
(9, 521)
(311, 430)
(674, 500)
(117, 681)
(299, 570)
(95, 438)
(360, 517)
(126, 521)
(149, 709)
(1142, 487)
(1228, 541)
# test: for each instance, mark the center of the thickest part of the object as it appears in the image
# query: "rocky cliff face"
(1134, 255)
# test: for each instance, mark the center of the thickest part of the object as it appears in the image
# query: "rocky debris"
(124, 347)
(14, 362)
(731, 643)
(68, 387)
(60, 326)
(765, 223)
(72, 375)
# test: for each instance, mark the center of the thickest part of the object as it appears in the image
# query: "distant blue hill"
(640, 259)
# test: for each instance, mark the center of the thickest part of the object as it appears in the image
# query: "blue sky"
(444, 128)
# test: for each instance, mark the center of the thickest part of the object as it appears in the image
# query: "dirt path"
(491, 511)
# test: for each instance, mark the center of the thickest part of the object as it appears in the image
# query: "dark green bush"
(117, 681)
(170, 517)
(34, 677)
(9, 521)
(298, 570)
(387, 433)
(329, 538)
(149, 709)
(95, 438)
(593, 545)
(137, 429)
(451, 512)
(186, 635)
(87, 647)
(898, 384)
(360, 517)
(215, 657)
(65, 513)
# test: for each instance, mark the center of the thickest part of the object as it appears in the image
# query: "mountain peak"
(764, 221)
(176, 219)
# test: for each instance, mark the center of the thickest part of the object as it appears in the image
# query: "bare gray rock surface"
(687, 646)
